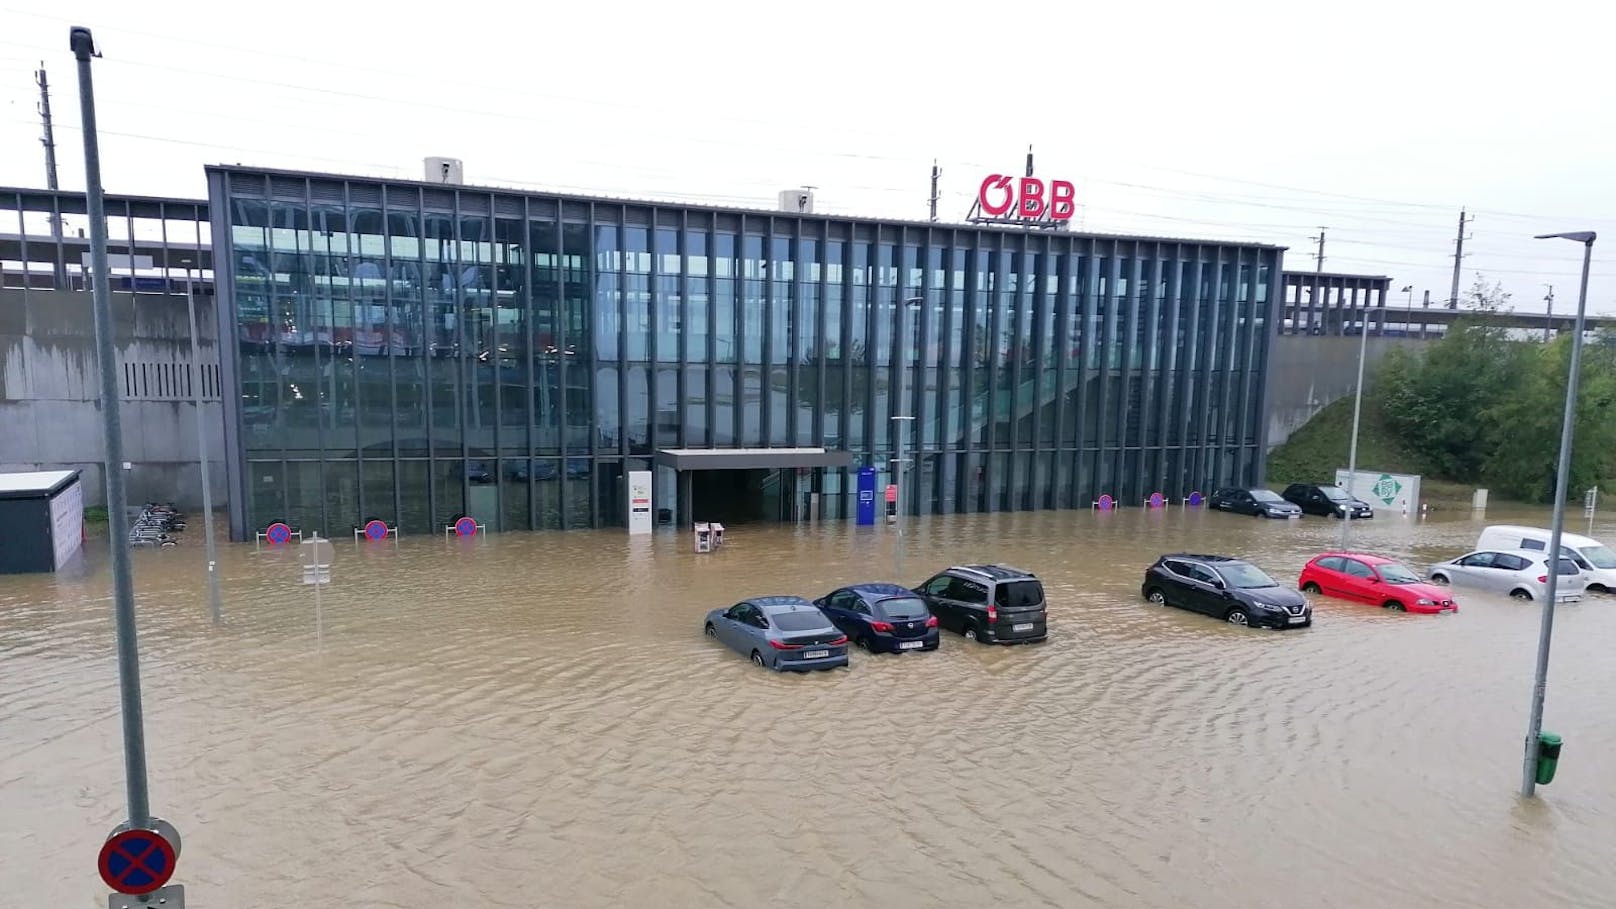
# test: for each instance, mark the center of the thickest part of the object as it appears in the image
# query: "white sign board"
(640, 518)
(67, 523)
(1393, 492)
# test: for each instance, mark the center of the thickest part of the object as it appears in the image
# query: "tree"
(1486, 298)
(1435, 403)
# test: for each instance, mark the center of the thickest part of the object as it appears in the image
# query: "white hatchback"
(1519, 573)
(1593, 557)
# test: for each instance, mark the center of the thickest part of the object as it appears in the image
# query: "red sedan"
(1374, 579)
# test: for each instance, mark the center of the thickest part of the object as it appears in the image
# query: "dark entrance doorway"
(747, 484)
(743, 496)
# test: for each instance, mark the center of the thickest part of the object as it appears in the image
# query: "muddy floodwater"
(536, 720)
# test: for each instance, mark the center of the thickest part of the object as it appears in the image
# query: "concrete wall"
(1310, 371)
(50, 413)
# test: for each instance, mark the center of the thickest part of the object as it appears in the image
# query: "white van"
(1592, 556)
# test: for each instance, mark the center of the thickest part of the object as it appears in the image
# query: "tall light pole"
(899, 417)
(1357, 412)
(1534, 725)
(214, 605)
(123, 587)
(1408, 325)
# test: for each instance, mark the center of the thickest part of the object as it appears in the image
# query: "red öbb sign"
(1027, 197)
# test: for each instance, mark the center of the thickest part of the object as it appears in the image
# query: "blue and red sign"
(465, 527)
(375, 530)
(1106, 503)
(1195, 500)
(277, 533)
(1156, 500)
(136, 861)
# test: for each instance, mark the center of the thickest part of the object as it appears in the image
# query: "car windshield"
(1335, 493)
(1599, 556)
(1239, 574)
(1266, 495)
(1393, 573)
(799, 620)
(903, 607)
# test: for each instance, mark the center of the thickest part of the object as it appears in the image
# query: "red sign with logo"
(1027, 198)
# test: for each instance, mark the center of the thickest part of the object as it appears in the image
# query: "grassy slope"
(1314, 452)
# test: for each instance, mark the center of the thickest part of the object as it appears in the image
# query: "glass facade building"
(413, 352)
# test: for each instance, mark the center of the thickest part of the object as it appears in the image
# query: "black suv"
(996, 604)
(1326, 501)
(1237, 592)
(1264, 503)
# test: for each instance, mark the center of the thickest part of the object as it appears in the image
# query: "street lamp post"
(1408, 324)
(123, 586)
(900, 417)
(1357, 412)
(214, 605)
(1534, 726)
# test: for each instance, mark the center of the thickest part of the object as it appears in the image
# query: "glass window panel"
(576, 474)
(726, 346)
(636, 421)
(751, 405)
(608, 292)
(696, 329)
(515, 510)
(669, 301)
(637, 291)
(694, 407)
(574, 361)
(724, 391)
(753, 268)
(607, 412)
(782, 278)
(546, 481)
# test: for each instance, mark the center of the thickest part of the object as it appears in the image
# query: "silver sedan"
(779, 633)
(1519, 573)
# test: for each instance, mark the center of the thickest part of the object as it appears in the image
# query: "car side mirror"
(1217, 584)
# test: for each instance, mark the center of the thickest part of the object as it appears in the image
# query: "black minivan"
(995, 604)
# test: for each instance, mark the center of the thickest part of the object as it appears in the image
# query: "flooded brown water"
(536, 720)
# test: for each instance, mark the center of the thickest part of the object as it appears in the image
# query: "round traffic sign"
(375, 530)
(1106, 502)
(136, 861)
(465, 527)
(1157, 500)
(1195, 499)
(277, 532)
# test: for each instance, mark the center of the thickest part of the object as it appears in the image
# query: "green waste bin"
(1548, 757)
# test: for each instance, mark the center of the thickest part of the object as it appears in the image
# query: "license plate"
(1297, 619)
(815, 654)
(1024, 626)
(910, 645)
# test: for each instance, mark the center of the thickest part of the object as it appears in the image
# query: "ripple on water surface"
(536, 719)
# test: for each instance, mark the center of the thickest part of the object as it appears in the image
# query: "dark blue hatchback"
(881, 618)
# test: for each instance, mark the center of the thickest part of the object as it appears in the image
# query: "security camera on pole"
(137, 860)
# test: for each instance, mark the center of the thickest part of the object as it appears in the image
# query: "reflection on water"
(536, 720)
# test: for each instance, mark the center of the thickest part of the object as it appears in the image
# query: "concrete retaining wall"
(50, 414)
(1310, 371)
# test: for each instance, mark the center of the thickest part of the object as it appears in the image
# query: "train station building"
(417, 351)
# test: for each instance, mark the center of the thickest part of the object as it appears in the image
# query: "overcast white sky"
(1238, 120)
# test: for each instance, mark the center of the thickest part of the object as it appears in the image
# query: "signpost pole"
(214, 605)
(134, 735)
(1357, 412)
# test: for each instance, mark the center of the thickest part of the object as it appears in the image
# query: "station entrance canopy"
(683, 459)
